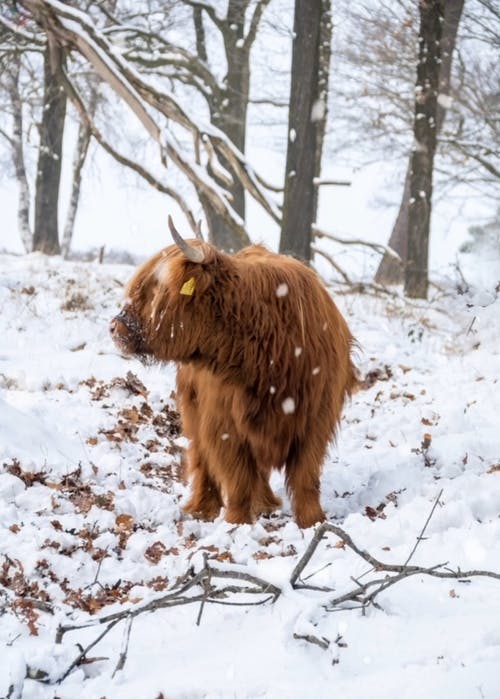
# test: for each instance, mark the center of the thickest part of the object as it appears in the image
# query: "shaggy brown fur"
(264, 368)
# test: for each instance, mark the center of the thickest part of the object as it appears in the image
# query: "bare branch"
(421, 535)
(254, 23)
(123, 653)
(210, 10)
(378, 247)
(122, 159)
(85, 650)
(210, 594)
(334, 264)
(364, 594)
(60, 20)
(19, 32)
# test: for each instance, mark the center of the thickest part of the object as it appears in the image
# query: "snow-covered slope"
(90, 519)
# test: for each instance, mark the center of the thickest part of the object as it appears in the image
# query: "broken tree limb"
(74, 29)
(210, 593)
(365, 593)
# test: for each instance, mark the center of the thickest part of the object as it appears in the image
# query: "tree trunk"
(307, 103)
(229, 113)
(23, 208)
(46, 235)
(390, 270)
(325, 52)
(422, 157)
(79, 157)
(81, 149)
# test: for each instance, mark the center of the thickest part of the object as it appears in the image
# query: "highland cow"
(264, 368)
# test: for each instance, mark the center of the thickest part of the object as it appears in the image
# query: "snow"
(288, 406)
(90, 493)
(318, 110)
(445, 101)
(70, 413)
(282, 290)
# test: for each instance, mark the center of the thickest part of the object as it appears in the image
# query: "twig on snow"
(123, 653)
(322, 642)
(210, 594)
(421, 535)
(83, 653)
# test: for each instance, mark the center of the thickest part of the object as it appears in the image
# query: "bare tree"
(17, 150)
(20, 44)
(77, 32)
(229, 103)
(391, 270)
(227, 99)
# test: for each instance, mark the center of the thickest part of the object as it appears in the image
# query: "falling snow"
(288, 406)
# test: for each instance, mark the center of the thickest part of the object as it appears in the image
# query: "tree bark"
(325, 52)
(422, 157)
(390, 270)
(46, 234)
(307, 106)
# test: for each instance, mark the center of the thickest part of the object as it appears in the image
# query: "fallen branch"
(126, 638)
(210, 594)
(204, 588)
(365, 593)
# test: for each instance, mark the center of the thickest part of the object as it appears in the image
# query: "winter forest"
(171, 524)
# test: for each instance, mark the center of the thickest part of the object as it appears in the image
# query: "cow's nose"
(113, 326)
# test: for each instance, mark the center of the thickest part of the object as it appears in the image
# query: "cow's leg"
(240, 477)
(303, 468)
(205, 501)
(264, 501)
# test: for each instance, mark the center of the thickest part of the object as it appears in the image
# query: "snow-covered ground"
(90, 519)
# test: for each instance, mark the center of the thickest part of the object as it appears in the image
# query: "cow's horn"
(193, 254)
(198, 232)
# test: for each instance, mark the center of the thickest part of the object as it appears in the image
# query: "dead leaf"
(426, 441)
(124, 523)
(261, 555)
(375, 513)
(155, 552)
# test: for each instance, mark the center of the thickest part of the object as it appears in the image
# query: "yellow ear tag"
(187, 289)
